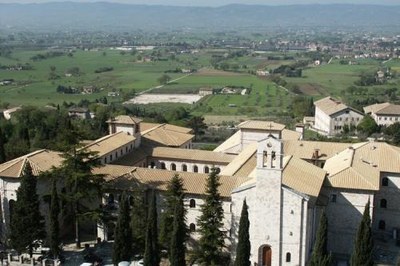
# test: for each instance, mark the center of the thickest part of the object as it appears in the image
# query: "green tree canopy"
(27, 224)
(151, 253)
(363, 244)
(368, 126)
(122, 247)
(211, 242)
(320, 256)
(244, 247)
(177, 247)
(174, 194)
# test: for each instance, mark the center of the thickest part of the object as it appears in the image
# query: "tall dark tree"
(82, 186)
(27, 224)
(363, 245)
(243, 247)
(122, 248)
(174, 194)
(151, 253)
(177, 247)
(54, 239)
(2, 149)
(211, 242)
(138, 224)
(320, 255)
(198, 125)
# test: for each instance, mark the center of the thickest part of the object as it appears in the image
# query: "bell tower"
(269, 199)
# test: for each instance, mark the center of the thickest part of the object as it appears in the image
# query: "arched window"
(173, 167)
(383, 203)
(192, 203)
(195, 169)
(206, 169)
(382, 225)
(385, 182)
(192, 227)
(184, 168)
(217, 170)
(163, 166)
(110, 198)
(288, 257)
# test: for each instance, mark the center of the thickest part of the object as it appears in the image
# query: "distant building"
(384, 114)
(206, 91)
(331, 116)
(262, 73)
(79, 112)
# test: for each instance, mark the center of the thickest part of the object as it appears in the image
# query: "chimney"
(300, 128)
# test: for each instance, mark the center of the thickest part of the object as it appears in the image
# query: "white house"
(331, 116)
(384, 114)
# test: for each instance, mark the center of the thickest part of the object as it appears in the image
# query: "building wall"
(294, 229)
(344, 212)
(386, 218)
(201, 166)
(386, 120)
(322, 121)
(251, 136)
(346, 117)
(117, 153)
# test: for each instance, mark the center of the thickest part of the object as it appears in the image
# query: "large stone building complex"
(286, 181)
(384, 114)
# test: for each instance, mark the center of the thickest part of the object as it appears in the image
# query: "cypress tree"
(178, 237)
(173, 195)
(151, 253)
(320, 256)
(122, 249)
(27, 224)
(2, 150)
(138, 224)
(363, 245)
(211, 240)
(54, 225)
(243, 247)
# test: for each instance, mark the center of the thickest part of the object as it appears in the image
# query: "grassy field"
(34, 87)
(265, 98)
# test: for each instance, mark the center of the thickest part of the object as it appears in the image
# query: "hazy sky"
(220, 2)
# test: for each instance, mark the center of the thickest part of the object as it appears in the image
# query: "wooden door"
(267, 256)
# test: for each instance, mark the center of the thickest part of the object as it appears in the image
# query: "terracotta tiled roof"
(359, 167)
(231, 145)
(193, 183)
(261, 125)
(383, 109)
(168, 135)
(302, 176)
(109, 143)
(242, 164)
(125, 119)
(40, 161)
(332, 106)
(192, 155)
(288, 134)
(306, 149)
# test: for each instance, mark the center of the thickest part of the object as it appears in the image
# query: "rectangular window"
(333, 198)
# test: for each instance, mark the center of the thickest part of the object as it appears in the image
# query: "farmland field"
(128, 73)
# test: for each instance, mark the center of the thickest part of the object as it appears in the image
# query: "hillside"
(122, 17)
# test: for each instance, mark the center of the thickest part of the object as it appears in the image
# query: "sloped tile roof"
(109, 143)
(261, 125)
(40, 161)
(125, 119)
(192, 155)
(168, 135)
(332, 106)
(383, 109)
